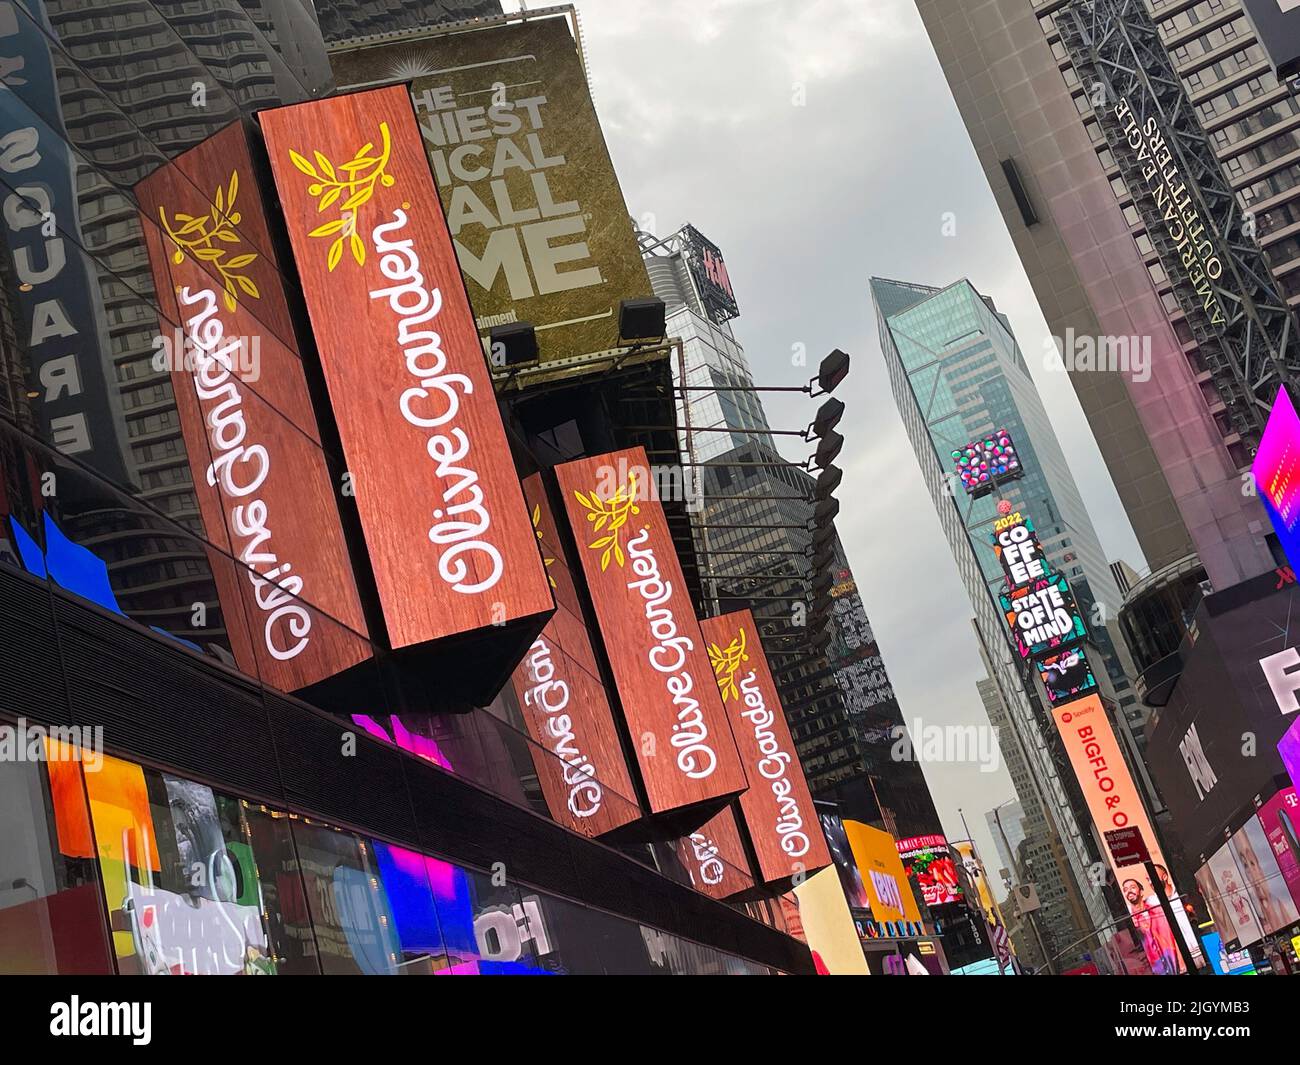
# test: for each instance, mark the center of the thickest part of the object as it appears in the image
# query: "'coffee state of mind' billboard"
(535, 209)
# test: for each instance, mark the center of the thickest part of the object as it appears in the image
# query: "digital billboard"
(265, 493)
(709, 272)
(536, 212)
(929, 864)
(979, 895)
(777, 809)
(1224, 891)
(888, 891)
(666, 684)
(1276, 472)
(1113, 801)
(427, 457)
(584, 778)
(1219, 741)
(1280, 818)
(1016, 546)
(986, 462)
(1288, 749)
(1066, 675)
(828, 926)
(1262, 877)
(837, 840)
(1042, 616)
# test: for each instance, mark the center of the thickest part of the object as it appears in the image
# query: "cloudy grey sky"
(817, 144)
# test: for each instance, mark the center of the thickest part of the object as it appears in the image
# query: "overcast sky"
(817, 144)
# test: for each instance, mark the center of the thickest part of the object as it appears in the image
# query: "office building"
(753, 527)
(958, 375)
(1174, 437)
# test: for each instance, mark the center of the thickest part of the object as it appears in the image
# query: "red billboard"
(265, 492)
(440, 505)
(777, 809)
(580, 765)
(665, 684)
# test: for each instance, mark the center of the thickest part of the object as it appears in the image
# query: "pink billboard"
(1280, 817)
(1276, 471)
(1289, 748)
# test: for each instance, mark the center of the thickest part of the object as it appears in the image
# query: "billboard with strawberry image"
(930, 866)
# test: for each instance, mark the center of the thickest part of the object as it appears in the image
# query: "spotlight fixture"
(641, 320)
(828, 417)
(512, 344)
(828, 449)
(827, 481)
(823, 537)
(826, 511)
(833, 369)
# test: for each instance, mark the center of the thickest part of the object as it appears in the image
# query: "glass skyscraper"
(957, 374)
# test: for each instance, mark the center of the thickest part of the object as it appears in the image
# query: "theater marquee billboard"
(666, 686)
(449, 538)
(535, 208)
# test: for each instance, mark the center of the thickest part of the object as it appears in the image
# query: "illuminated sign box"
(1018, 551)
(265, 493)
(1042, 616)
(578, 757)
(929, 863)
(890, 895)
(985, 463)
(656, 651)
(451, 547)
(777, 809)
(1276, 472)
(709, 272)
(1113, 801)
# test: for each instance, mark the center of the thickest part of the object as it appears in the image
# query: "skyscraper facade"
(753, 530)
(1168, 434)
(958, 374)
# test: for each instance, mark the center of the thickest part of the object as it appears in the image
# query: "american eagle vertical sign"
(448, 535)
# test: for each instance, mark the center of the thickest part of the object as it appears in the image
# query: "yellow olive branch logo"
(197, 235)
(726, 663)
(610, 516)
(352, 182)
(537, 528)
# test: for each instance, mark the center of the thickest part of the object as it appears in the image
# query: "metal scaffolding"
(1118, 55)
